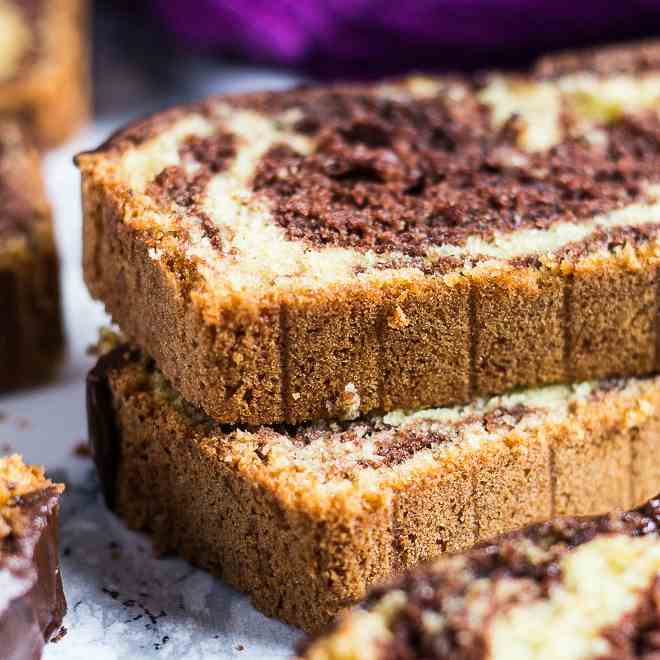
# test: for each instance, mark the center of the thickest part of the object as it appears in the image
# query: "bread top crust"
(25, 211)
(290, 192)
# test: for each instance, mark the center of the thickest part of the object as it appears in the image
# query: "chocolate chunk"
(214, 152)
(102, 426)
(32, 603)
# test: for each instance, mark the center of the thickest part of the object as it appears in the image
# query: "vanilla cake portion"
(305, 518)
(334, 250)
(574, 588)
(43, 65)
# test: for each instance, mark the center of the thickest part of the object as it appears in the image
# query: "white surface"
(123, 603)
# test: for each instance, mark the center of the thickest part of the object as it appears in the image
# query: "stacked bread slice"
(370, 324)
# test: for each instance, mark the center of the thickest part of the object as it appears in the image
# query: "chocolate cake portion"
(31, 335)
(572, 588)
(32, 602)
(403, 244)
(387, 175)
(304, 518)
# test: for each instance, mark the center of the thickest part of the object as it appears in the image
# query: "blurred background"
(159, 51)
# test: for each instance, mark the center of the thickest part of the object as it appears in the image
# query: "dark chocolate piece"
(32, 603)
(103, 430)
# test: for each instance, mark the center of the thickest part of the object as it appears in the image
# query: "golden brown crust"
(304, 554)
(53, 95)
(410, 343)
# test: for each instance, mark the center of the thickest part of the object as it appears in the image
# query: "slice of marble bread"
(328, 251)
(575, 589)
(304, 519)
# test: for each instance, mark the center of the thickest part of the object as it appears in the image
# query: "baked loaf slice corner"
(32, 602)
(304, 518)
(43, 65)
(576, 589)
(31, 334)
(329, 251)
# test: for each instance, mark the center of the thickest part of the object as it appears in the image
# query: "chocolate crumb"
(115, 550)
(22, 423)
(82, 450)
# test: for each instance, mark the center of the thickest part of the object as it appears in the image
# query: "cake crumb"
(240, 647)
(108, 340)
(398, 320)
(82, 450)
(115, 550)
(348, 405)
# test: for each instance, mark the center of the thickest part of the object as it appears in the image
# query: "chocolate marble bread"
(575, 589)
(328, 251)
(43, 65)
(304, 518)
(32, 602)
(31, 338)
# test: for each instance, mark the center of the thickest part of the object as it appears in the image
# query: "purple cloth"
(366, 37)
